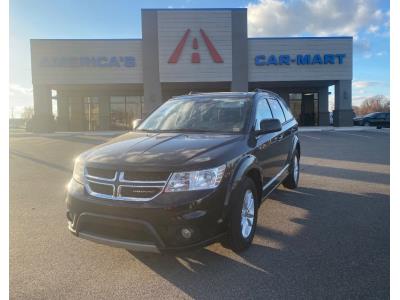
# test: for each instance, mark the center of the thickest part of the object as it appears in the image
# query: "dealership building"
(103, 84)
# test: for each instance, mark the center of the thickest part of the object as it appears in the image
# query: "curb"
(355, 128)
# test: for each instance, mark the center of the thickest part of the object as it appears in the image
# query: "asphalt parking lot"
(327, 239)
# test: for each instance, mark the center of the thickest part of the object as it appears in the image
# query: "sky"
(366, 20)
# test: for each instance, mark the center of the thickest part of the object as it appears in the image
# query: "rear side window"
(277, 111)
(262, 112)
(286, 110)
(380, 116)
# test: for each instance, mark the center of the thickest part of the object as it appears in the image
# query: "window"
(380, 116)
(276, 110)
(125, 109)
(262, 112)
(286, 110)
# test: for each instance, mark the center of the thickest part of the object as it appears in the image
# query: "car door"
(387, 120)
(267, 149)
(284, 139)
(381, 119)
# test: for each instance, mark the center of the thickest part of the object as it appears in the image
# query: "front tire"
(243, 218)
(292, 180)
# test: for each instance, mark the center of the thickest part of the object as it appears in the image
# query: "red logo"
(173, 59)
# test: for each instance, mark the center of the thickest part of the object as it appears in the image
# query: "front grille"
(115, 229)
(139, 192)
(101, 173)
(146, 176)
(98, 188)
(127, 186)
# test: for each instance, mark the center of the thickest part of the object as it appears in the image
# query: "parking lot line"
(353, 134)
(310, 137)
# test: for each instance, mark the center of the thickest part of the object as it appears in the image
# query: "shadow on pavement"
(41, 161)
(79, 139)
(342, 251)
(372, 177)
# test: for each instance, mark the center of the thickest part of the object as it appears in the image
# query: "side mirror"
(269, 126)
(136, 123)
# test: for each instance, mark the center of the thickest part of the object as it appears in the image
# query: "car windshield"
(201, 114)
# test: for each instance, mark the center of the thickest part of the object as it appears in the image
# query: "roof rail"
(193, 93)
(257, 90)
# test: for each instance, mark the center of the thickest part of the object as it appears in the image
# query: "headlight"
(196, 180)
(79, 170)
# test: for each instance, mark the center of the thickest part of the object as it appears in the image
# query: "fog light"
(186, 233)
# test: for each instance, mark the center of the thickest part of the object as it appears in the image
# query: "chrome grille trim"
(88, 176)
(135, 182)
(118, 182)
(100, 195)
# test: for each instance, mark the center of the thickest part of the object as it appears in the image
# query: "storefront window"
(125, 109)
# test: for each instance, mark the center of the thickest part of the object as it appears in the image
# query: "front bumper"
(152, 226)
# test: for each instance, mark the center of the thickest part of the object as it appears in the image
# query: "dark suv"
(193, 172)
(378, 119)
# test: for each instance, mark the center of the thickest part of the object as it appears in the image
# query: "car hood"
(158, 149)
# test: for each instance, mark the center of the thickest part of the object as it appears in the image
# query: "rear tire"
(292, 180)
(243, 218)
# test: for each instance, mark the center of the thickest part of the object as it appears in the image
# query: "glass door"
(91, 110)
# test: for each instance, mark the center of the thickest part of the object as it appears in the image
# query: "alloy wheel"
(296, 168)
(247, 217)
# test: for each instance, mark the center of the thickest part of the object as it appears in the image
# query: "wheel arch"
(246, 167)
(295, 146)
(255, 175)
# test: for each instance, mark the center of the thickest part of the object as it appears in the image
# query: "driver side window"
(262, 112)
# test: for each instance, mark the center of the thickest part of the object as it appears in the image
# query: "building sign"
(89, 62)
(173, 59)
(299, 59)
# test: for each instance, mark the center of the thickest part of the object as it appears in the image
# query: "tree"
(378, 103)
(356, 110)
(27, 113)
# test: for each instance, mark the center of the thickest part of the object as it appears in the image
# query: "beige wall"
(172, 26)
(42, 50)
(293, 47)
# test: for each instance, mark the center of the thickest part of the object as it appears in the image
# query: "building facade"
(105, 84)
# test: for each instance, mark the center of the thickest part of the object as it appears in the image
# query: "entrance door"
(92, 120)
(307, 110)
